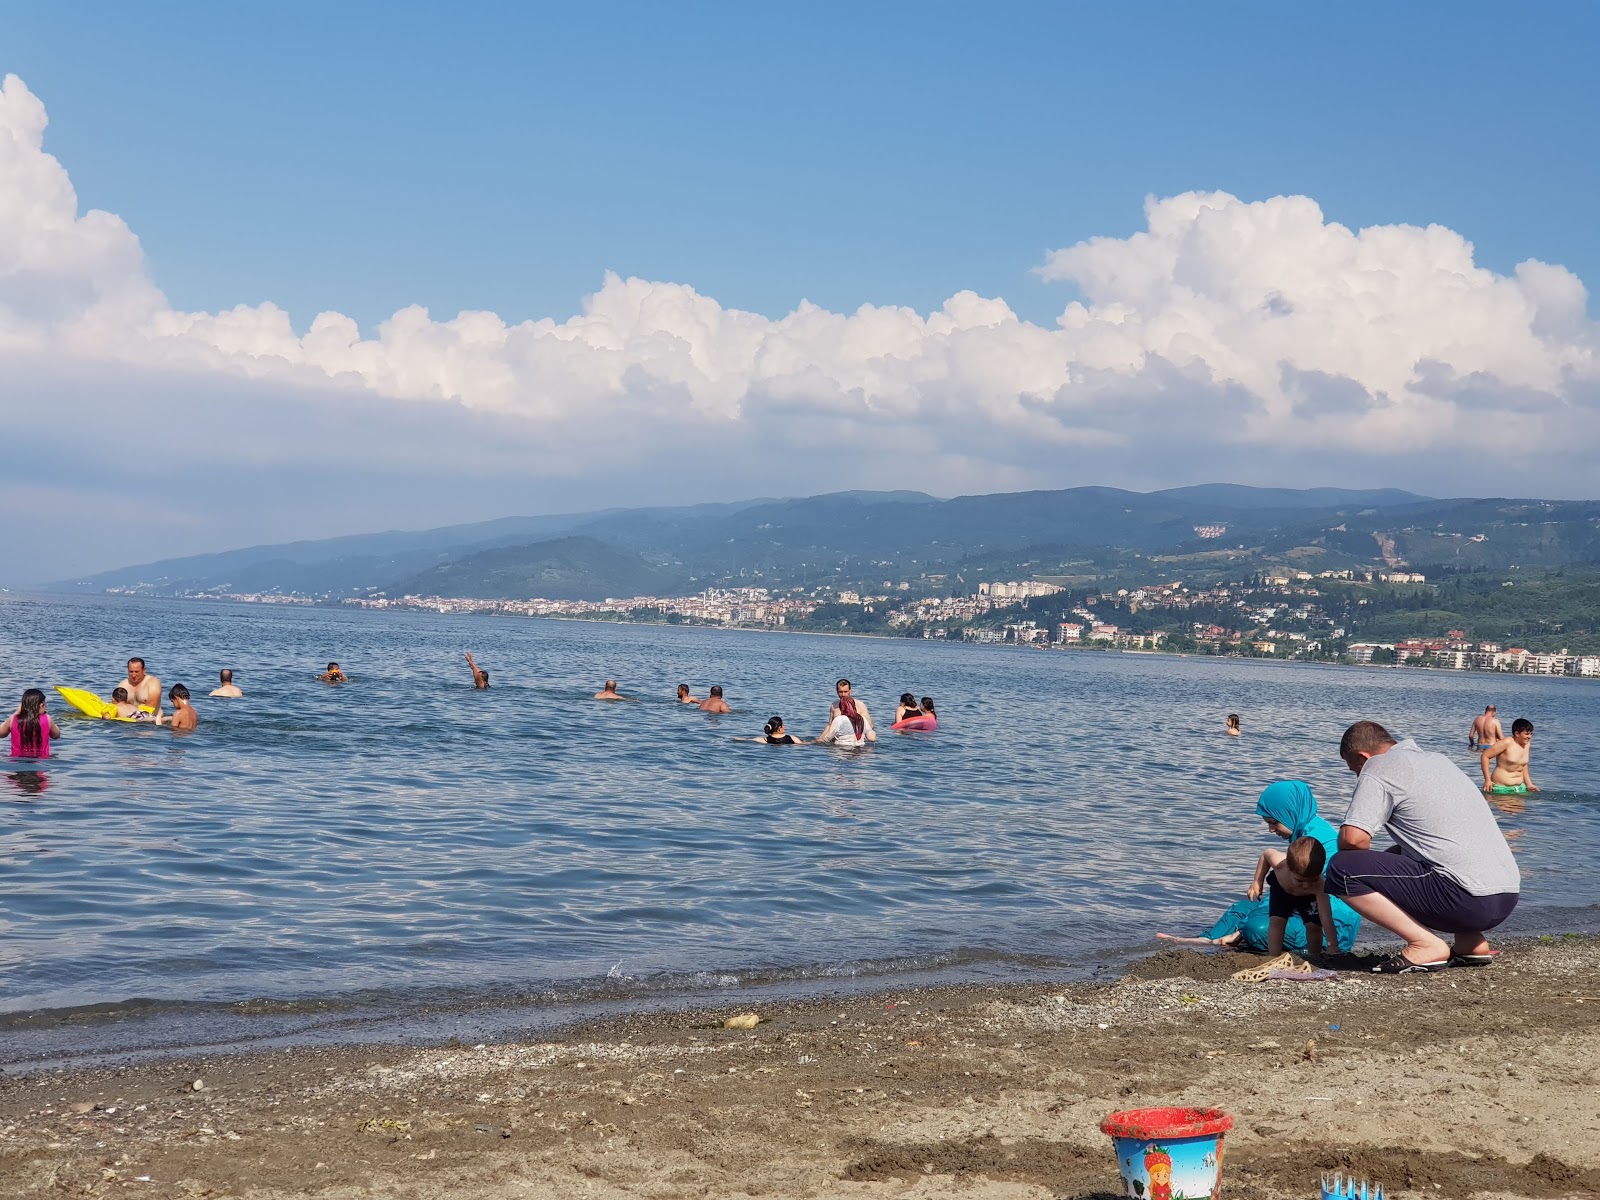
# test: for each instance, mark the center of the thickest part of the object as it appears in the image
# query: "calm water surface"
(405, 841)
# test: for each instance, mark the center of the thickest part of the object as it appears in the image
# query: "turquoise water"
(406, 843)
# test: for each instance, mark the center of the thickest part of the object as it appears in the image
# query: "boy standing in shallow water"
(1293, 883)
(1510, 776)
(183, 716)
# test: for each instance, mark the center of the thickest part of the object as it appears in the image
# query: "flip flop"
(1474, 960)
(1399, 964)
(1284, 962)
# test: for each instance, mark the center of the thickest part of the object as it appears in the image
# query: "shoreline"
(1467, 1081)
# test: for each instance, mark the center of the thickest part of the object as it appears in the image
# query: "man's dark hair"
(1307, 857)
(178, 692)
(716, 689)
(227, 675)
(1364, 737)
(844, 683)
(1521, 725)
(140, 661)
(333, 666)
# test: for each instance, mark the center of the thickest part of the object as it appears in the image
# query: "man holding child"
(1450, 869)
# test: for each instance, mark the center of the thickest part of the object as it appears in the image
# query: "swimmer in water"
(30, 727)
(121, 706)
(183, 717)
(843, 730)
(227, 690)
(906, 708)
(1232, 729)
(480, 677)
(684, 697)
(927, 707)
(334, 674)
(1510, 776)
(1485, 729)
(773, 734)
(714, 703)
(855, 709)
(609, 692)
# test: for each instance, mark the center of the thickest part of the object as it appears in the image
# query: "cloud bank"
(1250, 341)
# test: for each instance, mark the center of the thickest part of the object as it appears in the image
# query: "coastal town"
(1284, 615)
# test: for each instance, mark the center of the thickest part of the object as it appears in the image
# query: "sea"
(404, 858)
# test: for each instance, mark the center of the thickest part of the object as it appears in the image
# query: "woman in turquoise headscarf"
(1290, 811)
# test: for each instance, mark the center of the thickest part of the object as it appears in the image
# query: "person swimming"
(334, 674)
(30, 727)
(1232, 729)
(685, 696)
(926, 704)
(773, 734)
(907, 707)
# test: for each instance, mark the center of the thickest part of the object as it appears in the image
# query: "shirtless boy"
(122, 707)
(1510, 776)
(1293, 882)
(227, 691)
(1485, 730)
(141, 688)
(183, 716)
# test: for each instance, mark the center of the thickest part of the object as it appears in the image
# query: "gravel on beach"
(1473, 1082)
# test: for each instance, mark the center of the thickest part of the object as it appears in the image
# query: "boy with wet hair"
(1293, 882)
(121, 706)
(1510, 775)
(183, 716)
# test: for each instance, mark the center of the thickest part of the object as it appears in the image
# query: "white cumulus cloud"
(1253, 341)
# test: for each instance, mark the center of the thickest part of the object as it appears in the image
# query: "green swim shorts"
(1509, 789)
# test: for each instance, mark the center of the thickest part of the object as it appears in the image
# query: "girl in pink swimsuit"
(30, 727)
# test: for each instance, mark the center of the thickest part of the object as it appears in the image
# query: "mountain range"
(869, 537)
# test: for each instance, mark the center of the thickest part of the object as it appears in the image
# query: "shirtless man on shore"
(143, 690)
(1485, 730)
(1510, 776)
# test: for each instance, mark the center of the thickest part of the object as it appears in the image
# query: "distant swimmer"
(774, 734)
(183, 718)
(30, 727)
(1510, 776)
(609, 692)
(714, 703)
(334, 674)
(227, 691)
(1232, 729)
(142, 689)
(850, 707)
(843, 730)
(684, 697)
(122, 707)
(1485, 730)
(480, 677)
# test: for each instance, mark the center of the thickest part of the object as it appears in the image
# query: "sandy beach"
(1468, 1083)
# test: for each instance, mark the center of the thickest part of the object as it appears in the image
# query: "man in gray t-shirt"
(1450, 869)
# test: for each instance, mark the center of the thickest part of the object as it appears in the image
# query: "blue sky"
(365, 156)
(1138, 246)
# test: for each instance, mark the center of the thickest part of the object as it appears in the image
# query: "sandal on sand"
(1399, 964)
(1474, 960)
(1284, 962)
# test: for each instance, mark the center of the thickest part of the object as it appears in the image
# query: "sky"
(274, 272)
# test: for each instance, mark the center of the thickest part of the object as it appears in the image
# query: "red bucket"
(1163, 1153)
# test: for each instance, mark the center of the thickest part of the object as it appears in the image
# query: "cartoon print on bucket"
(1169, 1153)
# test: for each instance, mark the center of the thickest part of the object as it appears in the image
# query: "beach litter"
(742, 1021)
(1168, 1152)
(1343, 1188)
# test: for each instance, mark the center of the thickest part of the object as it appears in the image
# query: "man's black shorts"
(1425, 893)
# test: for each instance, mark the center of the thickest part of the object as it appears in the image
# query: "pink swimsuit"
(44, 738)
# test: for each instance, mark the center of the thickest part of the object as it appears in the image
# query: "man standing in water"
(609, 692)
(714, 703)
(227, 691)
(1510, 776)
(849, 706)
(1485, 730)
(143, 690)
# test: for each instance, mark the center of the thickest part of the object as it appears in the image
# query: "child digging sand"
(1293, 883)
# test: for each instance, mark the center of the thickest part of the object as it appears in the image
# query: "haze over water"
(405, 840)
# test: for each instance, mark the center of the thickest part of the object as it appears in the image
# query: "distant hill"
(867, 538)
(571, 568)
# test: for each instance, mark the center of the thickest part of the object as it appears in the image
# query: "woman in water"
(844, 729)
(927, 708)
(1233, 729)
(906, 708)
(30, 727)
(1290, 810)
(772, 733)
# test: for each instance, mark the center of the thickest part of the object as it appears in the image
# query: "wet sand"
(1469, 1083)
